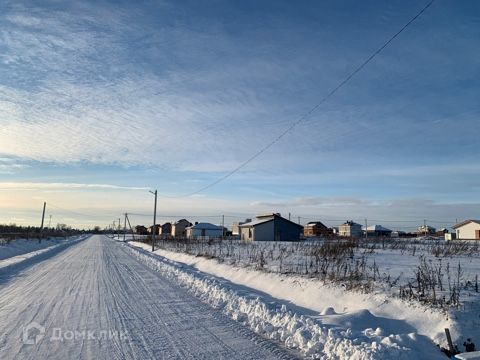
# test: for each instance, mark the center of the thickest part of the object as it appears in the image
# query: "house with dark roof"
(270, 227)
(157, 229)
(317, 228)
(166, 229)
(467, 230)
(179, 228)
(141, 230)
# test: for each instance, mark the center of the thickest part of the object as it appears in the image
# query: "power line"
(77, 213)
(312, 110)
(179, 216)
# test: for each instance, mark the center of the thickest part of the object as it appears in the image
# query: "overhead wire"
(312, 110)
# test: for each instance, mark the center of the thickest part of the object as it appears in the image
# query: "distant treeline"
(13, 231)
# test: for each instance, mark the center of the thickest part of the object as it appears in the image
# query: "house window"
(249, 233)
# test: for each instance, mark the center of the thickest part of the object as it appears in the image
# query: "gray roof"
(264, 219)
(377, 228)
(206, 226)
(256, 222)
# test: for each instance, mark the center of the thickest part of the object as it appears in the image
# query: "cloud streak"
(64, 186)
(314, 201)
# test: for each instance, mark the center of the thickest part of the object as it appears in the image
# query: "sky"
(102, 101)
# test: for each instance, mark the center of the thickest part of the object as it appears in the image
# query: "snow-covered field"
(375, 323)
(434, 272)
(22, 246)
(21, 250)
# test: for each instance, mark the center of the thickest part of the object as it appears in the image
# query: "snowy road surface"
(94, 300)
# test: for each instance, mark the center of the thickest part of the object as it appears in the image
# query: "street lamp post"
(154, 229)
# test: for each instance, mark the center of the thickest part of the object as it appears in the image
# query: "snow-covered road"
(94, 300)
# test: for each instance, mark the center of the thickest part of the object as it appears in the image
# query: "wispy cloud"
(72, 107)
(314, 201)
(63, 186)
(10, 166)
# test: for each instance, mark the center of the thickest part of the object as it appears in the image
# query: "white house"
(426, 230)
(204, 229)
(468, 230)
(350, 229)
(236, 226)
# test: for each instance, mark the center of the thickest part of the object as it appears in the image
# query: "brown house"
(141, 230)
(166, 229)
(316, 228)
(157, 229)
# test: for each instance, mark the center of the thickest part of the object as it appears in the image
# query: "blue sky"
(100, 101)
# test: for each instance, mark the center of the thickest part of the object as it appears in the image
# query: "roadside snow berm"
(468, 356)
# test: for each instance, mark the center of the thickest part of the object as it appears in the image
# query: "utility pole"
(131, 229)
(424, 227)
(43, 218)
(290, 216)
(223, 226)
(118, 229)
(125, 228)
(299, 220)
(154, 220)
(366, 229)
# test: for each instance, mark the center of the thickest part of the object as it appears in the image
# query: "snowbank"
(354, 333)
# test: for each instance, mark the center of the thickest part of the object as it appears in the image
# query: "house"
(179, 228)
(316, 228)
(204, 229)
(350, 229)
(141, 230)
(426, 230)
(166, 229)
(467, 230)
(450, 236)
(402, 234)
(157, 229)
(378, 231)
(236, 226)
(270, 227)
(441, 232)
